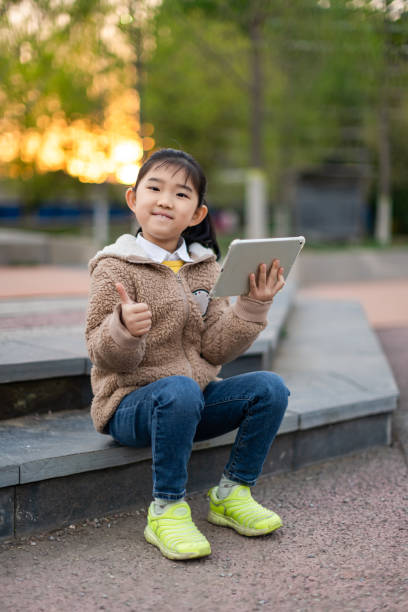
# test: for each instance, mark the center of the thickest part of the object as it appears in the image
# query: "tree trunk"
(256, 95)
(139, 69)
(256, 216)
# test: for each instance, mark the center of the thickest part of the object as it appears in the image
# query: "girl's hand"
(136, 316)
(264, 288)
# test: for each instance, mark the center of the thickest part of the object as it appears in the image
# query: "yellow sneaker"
(175, 534)
(241, 512)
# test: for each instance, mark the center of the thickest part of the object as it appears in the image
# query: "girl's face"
(165, 205)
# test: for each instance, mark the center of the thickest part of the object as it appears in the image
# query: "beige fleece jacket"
(190, 335)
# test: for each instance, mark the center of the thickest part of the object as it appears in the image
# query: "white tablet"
(244, 257)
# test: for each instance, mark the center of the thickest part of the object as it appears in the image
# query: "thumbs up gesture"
(136, 316)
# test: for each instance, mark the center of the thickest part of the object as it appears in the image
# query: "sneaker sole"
(151, 537)
(226, 521)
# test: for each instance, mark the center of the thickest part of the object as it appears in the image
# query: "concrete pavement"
(47, 281)
(343, 547)
(377, 278)
(384, 301)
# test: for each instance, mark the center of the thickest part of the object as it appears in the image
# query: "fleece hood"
(128, 249)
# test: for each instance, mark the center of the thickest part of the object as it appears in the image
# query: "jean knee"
(181, 395)
(272, 386)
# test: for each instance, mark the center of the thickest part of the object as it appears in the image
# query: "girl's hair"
(204, 232)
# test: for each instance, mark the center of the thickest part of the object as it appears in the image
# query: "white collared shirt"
(157, 254)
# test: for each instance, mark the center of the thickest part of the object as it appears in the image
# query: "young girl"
(157, 344)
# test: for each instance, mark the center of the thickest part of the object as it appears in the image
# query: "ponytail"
(204, 233)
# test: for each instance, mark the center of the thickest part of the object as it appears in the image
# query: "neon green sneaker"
(175, 534)
(241, 512)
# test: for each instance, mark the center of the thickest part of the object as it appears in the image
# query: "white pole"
(256, 219)
(101, 219)
(383, 219)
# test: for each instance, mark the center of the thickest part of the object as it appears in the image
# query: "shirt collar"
(157, 254)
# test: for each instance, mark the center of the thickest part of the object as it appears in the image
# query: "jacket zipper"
(186, 306)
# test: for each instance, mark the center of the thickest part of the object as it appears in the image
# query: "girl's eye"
(184, 195)
(153, 188)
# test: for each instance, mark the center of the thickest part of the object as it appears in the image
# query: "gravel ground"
(344, 546)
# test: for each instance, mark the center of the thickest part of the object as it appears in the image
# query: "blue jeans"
(172, 413)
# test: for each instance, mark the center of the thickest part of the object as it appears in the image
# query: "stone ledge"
(20, 246)
(50, 352)
(42, 506)
(334, 364)
(343, 393)
(330, 359)
(36, 448)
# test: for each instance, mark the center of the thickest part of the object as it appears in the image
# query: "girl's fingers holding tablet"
(264, 288)
(252, 284)
(274, 268)
(281, 279)
(273, 271)
(262, 276)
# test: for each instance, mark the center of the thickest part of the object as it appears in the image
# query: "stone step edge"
(102, 452)
(75, 361)
(54, 503)
(113, 455)
(345, 391)
(343, 397)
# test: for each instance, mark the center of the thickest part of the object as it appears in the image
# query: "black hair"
(204, 232)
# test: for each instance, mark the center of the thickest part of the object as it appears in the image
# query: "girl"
(157, 344)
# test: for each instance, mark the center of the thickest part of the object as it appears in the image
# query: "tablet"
(244, 257)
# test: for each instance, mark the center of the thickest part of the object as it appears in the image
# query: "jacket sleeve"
(110, 345)
(231, 329)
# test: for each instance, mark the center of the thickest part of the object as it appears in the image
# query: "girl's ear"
(199, 215)
(131, 199)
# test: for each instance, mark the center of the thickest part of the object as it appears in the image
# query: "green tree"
(58, 60)
(303, 81)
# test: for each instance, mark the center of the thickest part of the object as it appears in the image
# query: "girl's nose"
(164, 201)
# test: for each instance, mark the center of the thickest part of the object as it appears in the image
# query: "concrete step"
(44, 363)
(342, 397)
(27, 247)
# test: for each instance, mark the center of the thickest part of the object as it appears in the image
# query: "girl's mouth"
(162, 216)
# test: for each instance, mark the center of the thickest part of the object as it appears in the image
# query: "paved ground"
(352, 265)
(378, 279)
(344, 544)
(32, 281)
(385, 301)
